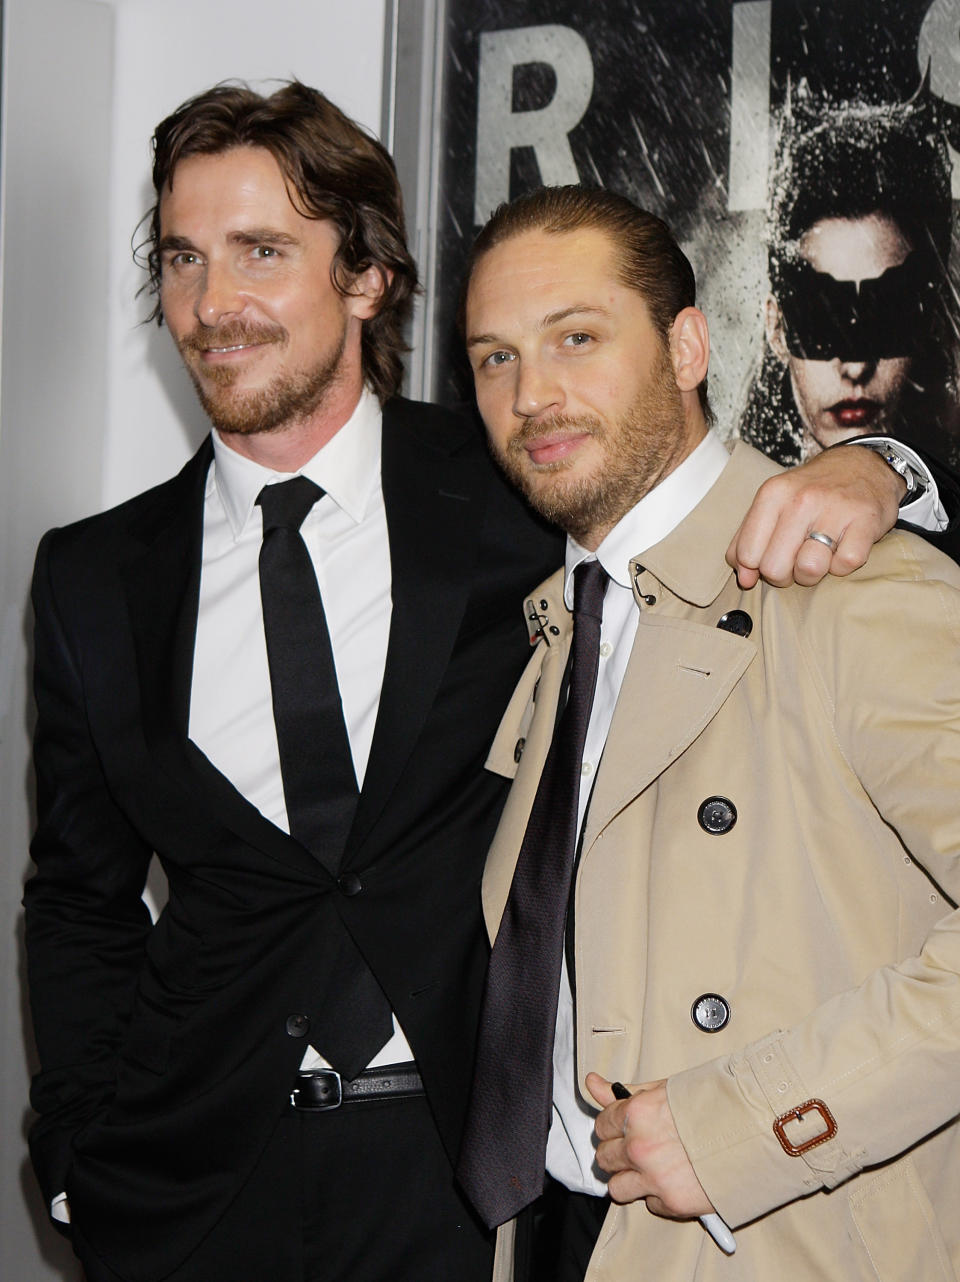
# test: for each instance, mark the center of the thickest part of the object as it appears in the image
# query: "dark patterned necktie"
(503, 1156)
(319, 781)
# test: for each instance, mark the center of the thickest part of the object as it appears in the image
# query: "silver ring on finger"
(819, 537)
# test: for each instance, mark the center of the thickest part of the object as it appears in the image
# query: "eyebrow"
(251, 236)
(551, 318)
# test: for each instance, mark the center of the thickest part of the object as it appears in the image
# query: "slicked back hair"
(333, 169)
(648, 256)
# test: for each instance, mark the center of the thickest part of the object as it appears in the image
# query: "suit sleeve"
(86, 924)
(884, 1057)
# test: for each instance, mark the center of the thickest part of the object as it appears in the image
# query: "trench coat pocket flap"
(897, 1225)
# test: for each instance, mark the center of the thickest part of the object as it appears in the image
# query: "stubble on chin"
(634, 453)
(289, 398)
(567, 501)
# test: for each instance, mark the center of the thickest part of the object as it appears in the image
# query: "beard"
(289, 397)
(637, 450)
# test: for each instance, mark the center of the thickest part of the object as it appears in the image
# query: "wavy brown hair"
(333, 170)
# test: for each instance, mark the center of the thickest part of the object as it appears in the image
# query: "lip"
(859, 412)
(554, 448)
(235, 351)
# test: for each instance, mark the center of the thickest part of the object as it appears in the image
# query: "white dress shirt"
(231, 711)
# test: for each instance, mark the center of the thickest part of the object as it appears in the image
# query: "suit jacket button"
(738, 622)
(349, 883)
(297, 1025)
(717, 815)
(710, 1012)
(518, 750)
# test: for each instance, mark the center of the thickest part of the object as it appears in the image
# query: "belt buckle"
(326, 1080)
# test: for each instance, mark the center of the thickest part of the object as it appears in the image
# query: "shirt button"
(297, 1025)
(350, 884)
(606, 649)
(710, 1012)
(738, 622)
(586, 769)
(717, 815)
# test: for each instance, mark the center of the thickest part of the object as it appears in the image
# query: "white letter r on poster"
(545, 129)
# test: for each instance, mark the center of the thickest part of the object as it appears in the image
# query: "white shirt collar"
(347, 467)
(656, 515)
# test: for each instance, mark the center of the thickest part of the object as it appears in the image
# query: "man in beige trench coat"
(764, 935)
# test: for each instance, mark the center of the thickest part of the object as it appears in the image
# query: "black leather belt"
(321, 1089)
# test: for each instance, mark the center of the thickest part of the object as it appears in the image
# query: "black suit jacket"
(168, 1052)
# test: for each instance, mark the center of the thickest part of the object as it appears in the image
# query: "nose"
(857, 371)
(537, 390)
(219, 296)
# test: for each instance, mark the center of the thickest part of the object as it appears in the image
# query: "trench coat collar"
(690, 560)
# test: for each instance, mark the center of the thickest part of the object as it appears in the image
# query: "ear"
(690, 348)
(366, 291)
(773, 325)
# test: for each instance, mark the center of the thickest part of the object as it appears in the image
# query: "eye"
(265, 251)
(579, 339)
(183, 258)
(495, 359)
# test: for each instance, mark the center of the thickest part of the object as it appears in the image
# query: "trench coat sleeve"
(885, 1057)
(86, 923)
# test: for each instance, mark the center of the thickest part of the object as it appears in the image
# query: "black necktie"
(502, 1160)
(319, 782)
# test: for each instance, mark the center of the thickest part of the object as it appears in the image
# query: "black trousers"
(363, 1193)
(557, 1234)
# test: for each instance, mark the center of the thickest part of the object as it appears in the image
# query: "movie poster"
(803, 152)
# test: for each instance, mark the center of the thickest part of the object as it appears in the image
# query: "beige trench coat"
(824, 916)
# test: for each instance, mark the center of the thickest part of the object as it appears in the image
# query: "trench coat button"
(710, 1012)
(738, 622)
(518, 750)
(297, 1025)
(350, 884)
(717, 815)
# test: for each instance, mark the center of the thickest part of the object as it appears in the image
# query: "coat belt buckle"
(797, 1115)
(319, 1090)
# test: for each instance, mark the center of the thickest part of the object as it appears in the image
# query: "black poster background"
(657, 128)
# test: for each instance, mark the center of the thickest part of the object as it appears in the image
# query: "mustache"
(231, 335)
(535, 429)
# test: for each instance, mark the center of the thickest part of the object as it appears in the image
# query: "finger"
(609, 1125)
(753, 537)
(627, 1186)
(747, 576)
(790, 550)
(854, 547)
(611, 1156)
(600, 1089)
(812, 562)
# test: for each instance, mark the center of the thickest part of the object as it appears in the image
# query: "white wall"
(165, 53)
(93, 406)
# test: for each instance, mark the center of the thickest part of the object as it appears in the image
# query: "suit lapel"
(162, 583)
(434, 496)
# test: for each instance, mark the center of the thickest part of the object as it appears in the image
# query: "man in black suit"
(268, 1084)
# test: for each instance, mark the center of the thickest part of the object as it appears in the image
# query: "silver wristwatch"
(916, 484)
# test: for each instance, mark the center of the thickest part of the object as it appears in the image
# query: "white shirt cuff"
(925, 511)
(60, 1208)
